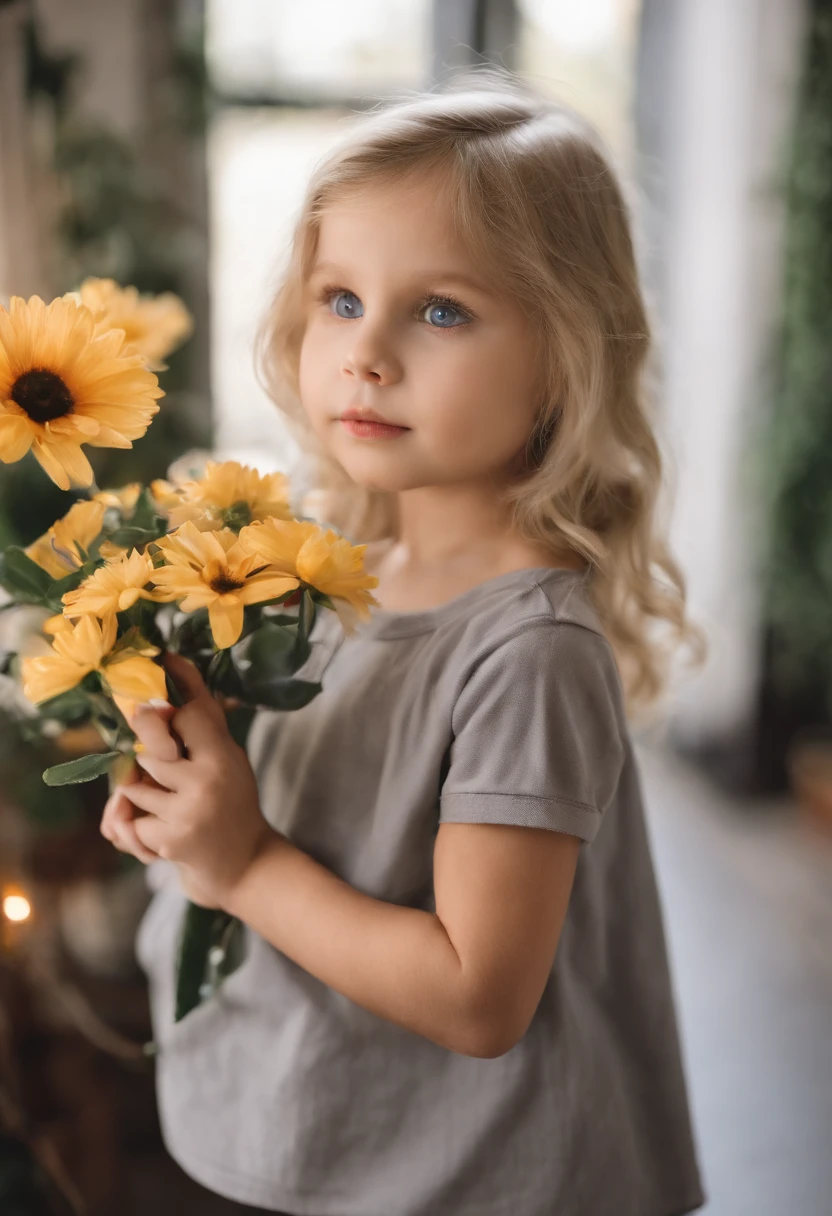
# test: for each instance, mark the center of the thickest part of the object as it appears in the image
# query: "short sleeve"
(537, 733)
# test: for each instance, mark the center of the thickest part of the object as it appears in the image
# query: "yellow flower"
(168, 496)
(153, 325)
(57, 624)
(221, 486)
(129, 675)
(114, 587)
(57, 550)
(165, 493)
(125, 498)
(211, 570)
(62, 386)
(322, 559)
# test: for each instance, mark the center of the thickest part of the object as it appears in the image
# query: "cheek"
(313, 369)
(484, 398)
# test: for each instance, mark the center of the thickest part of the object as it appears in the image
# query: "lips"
(356, 414)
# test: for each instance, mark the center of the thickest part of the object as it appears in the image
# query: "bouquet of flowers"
(205, 564)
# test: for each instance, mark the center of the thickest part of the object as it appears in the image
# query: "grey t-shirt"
(501, 706)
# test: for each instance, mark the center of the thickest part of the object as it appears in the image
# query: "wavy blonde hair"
(538, 203)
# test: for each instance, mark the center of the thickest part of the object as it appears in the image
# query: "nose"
(370, 356)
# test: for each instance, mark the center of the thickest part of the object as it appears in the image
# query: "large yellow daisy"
(211, 570)
(129, 675)
(225, 485)
(57, 551)
(61, 386)
(153, 325)
(114, 587)
(321, 558)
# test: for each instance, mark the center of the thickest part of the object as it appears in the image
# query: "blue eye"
(346, 305)
(443, 315)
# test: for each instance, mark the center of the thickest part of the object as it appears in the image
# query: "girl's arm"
(470, 981)
(397, 962)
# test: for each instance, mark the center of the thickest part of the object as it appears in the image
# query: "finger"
(146, 798)
(202, 726)
(151, 726)
(116, 809)
(128, 841)
(169, 774)
(186, 676)
(152, 834)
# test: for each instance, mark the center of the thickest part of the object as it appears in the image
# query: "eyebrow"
(434, 276)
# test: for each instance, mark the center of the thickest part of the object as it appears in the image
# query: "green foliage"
(23, 578)
(85, 768)
(798, 453)
(117, 220)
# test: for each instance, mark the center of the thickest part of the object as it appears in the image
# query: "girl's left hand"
(204, 814)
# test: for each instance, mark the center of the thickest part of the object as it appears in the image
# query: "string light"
(16, 907)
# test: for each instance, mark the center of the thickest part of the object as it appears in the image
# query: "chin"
(371, 472)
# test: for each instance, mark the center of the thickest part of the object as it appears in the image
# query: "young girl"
(456, 998)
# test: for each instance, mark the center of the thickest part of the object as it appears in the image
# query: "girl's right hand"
(117, 822)
(119, 815)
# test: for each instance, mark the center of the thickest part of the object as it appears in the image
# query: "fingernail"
(154, 703)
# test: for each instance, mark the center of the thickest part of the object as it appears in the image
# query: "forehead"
(397, 223)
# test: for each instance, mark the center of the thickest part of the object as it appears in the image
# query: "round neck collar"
(385, 623)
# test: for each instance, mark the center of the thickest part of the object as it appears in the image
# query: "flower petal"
(226, 617)
(49, 462)
(129, 675)
(48, 675)
(260, 588)
(16, 435)
(74, 461)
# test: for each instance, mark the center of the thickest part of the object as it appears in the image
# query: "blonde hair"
(535, 198)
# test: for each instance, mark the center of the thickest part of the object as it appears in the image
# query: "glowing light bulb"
(16, 907)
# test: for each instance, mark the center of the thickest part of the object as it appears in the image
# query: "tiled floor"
(747, 892)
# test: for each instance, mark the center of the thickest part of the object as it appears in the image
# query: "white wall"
(730, 108)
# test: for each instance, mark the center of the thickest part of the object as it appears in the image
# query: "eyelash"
(326, 294)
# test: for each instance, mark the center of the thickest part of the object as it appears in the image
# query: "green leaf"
(144, 514)
(130, 537)
(240, 720)
(67, 707)
(85, 768)
(275, 652)
(281, 694)
(307, 612)
(223, 675)
(202, 930)
(192, 634)
(59, 587)
(22, 577)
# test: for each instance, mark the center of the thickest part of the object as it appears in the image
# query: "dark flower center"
(42, 394)
(223, 582)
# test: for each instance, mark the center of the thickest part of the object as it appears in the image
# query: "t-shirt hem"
(239, 1189)
(520, 810)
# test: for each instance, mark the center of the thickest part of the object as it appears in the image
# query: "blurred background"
(166, 143)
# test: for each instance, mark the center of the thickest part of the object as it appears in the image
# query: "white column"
(730, 111)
